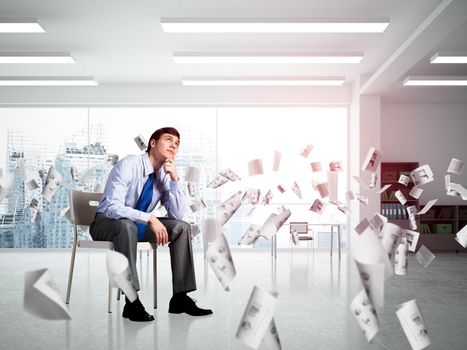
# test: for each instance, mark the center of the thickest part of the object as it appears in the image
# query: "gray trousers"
(123, 234)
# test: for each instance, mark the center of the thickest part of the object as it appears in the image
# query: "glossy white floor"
(313, 312)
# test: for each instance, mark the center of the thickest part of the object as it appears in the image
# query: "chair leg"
(332, 236)
(70, 275)
(109, 306)
(119, 292)
(154, 272)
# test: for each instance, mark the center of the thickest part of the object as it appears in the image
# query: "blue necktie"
(143, 203)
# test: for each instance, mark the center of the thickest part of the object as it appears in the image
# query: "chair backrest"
(301, 227)
(83, 207)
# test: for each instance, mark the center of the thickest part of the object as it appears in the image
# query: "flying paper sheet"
(194, 230)
(252, 196)
(273, 223)
(318, 206)
(372, 277)
(211, 229)
(404, 180)
(255, 167)
(401, 257)
(276, 161)
(373, 180)
(251, 211)
(362, 226)
(281, 188)
(294, 236)
(390, 235)
(427, 207)
(267, 197)
(425, 256)
(412, 211)
(192, 174)
(54, 181)
(365, 314)
(227, 208)
(416, 192)
(316, 166)
(384, 188)
(377, 221)
(455, 166)
(31, 185)
(219, 180)
(362, 199)
(271, 337)
(112, 159)
(220, 259)
(251, 235)
(412, 323)
(336, 166)
(65, 213)
(42, 298)
(296, 189)
(20, 163)
(118, 271)
(459, 190)
(229, 173)
(323, 189)
(349, 195)
(306, 151)
(141, 142)
(34, 203)
(372, 160)
(361, 182)
(257, 317)
(400, 196)
(461, 237)
(6, 185)
(197, 204)
(422, 175)
(412, 239)
(332, 186)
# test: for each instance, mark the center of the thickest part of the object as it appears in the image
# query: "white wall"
(430, 133)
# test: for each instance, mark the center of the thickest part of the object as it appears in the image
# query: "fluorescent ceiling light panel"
(193, 57)
(47, 81)
(35, 57)
(273, 25)
(436, 81)
(449, 58)
(20, 25)
(263, 81)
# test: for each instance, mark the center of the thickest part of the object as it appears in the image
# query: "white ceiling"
(120, 43)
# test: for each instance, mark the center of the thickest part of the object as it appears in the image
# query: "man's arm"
(113, 202)
(172, 200)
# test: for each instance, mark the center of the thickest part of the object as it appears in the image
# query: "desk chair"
(83, 207)
(301, 228)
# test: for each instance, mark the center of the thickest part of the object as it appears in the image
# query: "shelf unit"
(390, 206)
(439, 226)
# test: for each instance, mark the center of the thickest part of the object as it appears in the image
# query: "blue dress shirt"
(125, 184)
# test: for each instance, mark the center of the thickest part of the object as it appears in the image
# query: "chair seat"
(305, 238)
(95, 244)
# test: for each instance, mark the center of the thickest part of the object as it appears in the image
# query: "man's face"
(166, 146)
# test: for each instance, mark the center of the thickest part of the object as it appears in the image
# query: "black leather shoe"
(135, 311)
(180, 304)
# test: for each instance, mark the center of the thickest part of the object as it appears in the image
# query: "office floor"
(313, 311)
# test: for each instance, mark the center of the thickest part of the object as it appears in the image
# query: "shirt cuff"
(174, 186)
(144, 218)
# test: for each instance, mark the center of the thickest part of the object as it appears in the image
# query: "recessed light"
(35, 57)
(273, 25)
(47, 81)
(20, 25)
(263, 81)
(194, 57)
(436, 81)
(449, 58)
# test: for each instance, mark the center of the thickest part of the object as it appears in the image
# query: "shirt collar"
(148, 169)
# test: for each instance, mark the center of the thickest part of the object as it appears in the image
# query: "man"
(134, 187)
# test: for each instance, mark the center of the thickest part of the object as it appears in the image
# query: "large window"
(79, 141)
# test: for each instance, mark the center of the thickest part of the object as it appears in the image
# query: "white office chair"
(83, 209)
(302, 231)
